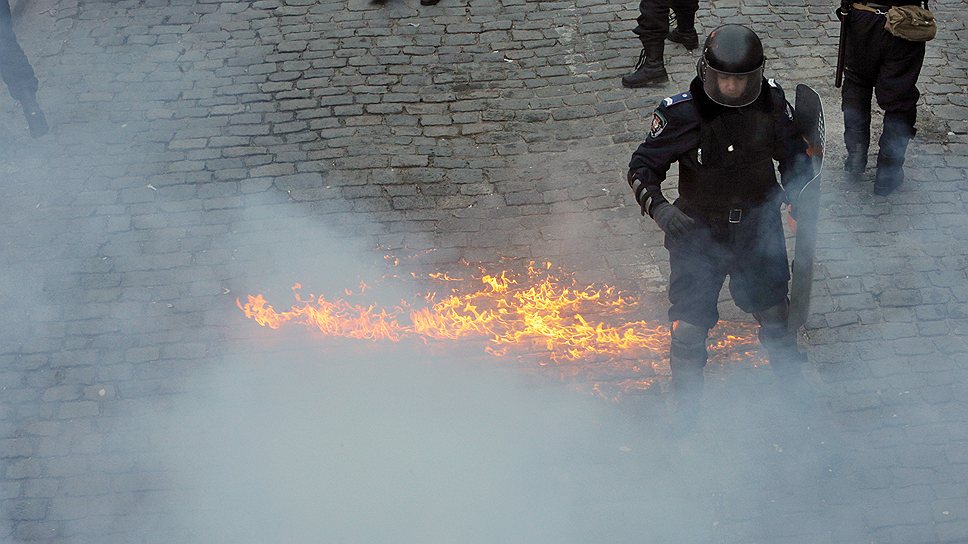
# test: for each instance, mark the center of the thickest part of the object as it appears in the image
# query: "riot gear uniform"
(879, 64)
(728, 191)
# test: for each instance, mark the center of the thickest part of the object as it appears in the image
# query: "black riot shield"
(808, 117)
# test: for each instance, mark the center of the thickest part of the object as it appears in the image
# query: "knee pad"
(688, 341)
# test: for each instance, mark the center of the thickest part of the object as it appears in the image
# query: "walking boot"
(890, 169)
(36, 121)
(898, 131)
(649, 70)
(855, 164)
(889, 176)
(688, 38)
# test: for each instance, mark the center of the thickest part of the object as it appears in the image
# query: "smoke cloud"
(291, 437)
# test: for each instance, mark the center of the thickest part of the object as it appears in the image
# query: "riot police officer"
(652, 30)
(880, 63)
(725, 133)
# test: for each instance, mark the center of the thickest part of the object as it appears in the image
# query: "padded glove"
(671, 219)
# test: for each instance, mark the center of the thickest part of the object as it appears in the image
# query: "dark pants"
(653, 20)
(882, 65)
(15, 69)
(752, 253)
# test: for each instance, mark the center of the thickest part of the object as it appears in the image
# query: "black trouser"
(653, 20)
(15, 69)
(751, 252)
(878, 63)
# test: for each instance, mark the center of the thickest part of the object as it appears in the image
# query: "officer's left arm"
(674, 132)
(790, 149)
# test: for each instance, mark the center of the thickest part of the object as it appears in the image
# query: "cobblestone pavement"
(202, 149)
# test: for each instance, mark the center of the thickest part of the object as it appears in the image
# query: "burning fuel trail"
(540, 311)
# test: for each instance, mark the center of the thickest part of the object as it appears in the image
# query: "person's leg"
(860, 74)
(856, 105)
(685, 31)
(18, 75)
(778, 340)
(653, 21)
(696, 276)
(786, 359)
(15, 69)
(897, 94)
(687, 359)
(685, 11)
(653, 25)
(759, 285)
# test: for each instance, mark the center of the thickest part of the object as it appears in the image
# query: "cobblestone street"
(201, 150)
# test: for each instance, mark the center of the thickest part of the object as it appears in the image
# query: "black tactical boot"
(890, 176)
(649, 70)
(855, 164)
(890, 168)
(898, 131)
(429, 2)
(688, 38)
(36, 121)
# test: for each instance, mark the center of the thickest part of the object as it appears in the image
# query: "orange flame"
(544, 313)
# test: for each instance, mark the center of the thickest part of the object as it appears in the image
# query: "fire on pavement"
(541, 313)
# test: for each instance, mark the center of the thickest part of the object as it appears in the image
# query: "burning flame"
(540, 313)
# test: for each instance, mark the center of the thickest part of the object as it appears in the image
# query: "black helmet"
(731, 66)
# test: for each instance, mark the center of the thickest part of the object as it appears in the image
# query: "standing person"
(18, 75)
(725, 133)
(653, 30)
(880, 63)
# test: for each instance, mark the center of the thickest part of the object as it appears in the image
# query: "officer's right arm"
(668, 139)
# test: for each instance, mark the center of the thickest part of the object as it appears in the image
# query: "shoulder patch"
(772, 82)
(659, 123)
(677, 98)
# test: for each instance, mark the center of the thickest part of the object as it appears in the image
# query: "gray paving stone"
(472, 132)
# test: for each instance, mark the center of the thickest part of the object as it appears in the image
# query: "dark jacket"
(725, 154)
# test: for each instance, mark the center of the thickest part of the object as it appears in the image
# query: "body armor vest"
(733, 166)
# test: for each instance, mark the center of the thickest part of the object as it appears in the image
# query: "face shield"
(731, 89)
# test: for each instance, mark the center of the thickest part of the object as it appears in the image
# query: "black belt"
(730, 215)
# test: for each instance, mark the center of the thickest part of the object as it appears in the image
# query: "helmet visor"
(730, 89)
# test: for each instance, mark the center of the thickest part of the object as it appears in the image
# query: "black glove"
(671, 219)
